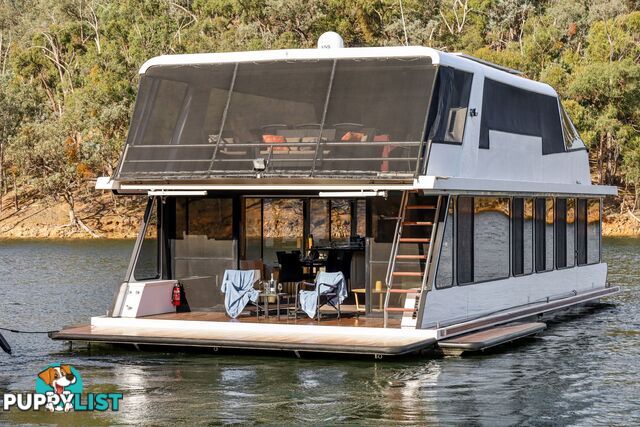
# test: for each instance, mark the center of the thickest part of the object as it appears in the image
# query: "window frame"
(533, 239)
(599, 261)
(456, 228)
(152, 205)
(450, 205)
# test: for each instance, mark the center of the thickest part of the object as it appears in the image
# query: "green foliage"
(68, 68)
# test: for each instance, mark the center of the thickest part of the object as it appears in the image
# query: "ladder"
(410, 256)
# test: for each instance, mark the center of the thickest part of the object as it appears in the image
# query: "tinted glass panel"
(340, 220)
(319, 216)
(549, 236)
(522, 232)
(147, 267)
(581, 232)
(544, 234)
(253, 229)
(561, 233)
(491, 238)
(282, 227)
(593, 231)
(571, 232)
(510, 109)
(361, 229)
(323, 117)
(444, 276)
(464, 240)
(454, 88)
(384, 217)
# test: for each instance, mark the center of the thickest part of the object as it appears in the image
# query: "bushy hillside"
(68, 68)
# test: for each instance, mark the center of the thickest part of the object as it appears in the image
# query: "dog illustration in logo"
(58, 378)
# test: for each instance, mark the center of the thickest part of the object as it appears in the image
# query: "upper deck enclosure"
(357, 114)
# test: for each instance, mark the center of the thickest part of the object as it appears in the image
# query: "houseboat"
(452, 195)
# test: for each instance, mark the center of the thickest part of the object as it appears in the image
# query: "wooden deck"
(347, 320)
(355, 335)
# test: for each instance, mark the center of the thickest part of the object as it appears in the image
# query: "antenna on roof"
(404, 27)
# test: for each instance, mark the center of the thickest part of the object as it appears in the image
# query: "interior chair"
(340, 260)
(290, 268)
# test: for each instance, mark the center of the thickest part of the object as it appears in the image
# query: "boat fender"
(5, 345)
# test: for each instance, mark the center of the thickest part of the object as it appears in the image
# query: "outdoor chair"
(328, 289)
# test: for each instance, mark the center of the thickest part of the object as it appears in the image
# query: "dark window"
(490, 238)
(565, 232)
(571, 232)
(209, 218)
(581, 232)
(282, 227)
(452, 99)
(593, 231)
(384, 215)
(544, 237)
(147, 266)
(561, 233)
(319, 221)
(522, 236)
(510, 109)
(444, 276)
(464, 240)
(361, 214)
(253, 229)
(340, 220)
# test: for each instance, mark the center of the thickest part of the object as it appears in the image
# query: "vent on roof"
(490, 64)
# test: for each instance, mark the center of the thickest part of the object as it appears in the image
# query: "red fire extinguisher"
(175, 294)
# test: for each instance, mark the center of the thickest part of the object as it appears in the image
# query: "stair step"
(417, 223)
(417, 207)
(407, 273)
(423, 257)
(405, 291)
(400, 309)
(414, 240)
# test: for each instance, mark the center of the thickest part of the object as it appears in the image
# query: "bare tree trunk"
(15, 191)
(74, 221)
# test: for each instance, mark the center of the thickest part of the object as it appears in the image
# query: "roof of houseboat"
(456, 60)
(348, 118)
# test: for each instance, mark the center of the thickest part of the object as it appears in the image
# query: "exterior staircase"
(411, 252)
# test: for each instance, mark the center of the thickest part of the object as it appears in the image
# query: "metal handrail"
(434, 227)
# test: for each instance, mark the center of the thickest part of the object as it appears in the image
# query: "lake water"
(585, 369)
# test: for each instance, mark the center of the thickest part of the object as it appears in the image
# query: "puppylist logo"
(59, 388)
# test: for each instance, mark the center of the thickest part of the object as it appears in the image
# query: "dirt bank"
(107, 216)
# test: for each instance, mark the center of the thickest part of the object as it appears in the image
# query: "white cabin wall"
(468, 301)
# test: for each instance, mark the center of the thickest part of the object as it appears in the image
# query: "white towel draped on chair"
(237, 286)
(325, 283)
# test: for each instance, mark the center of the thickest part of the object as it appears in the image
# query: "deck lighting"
(375, 193)
(177, 193)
